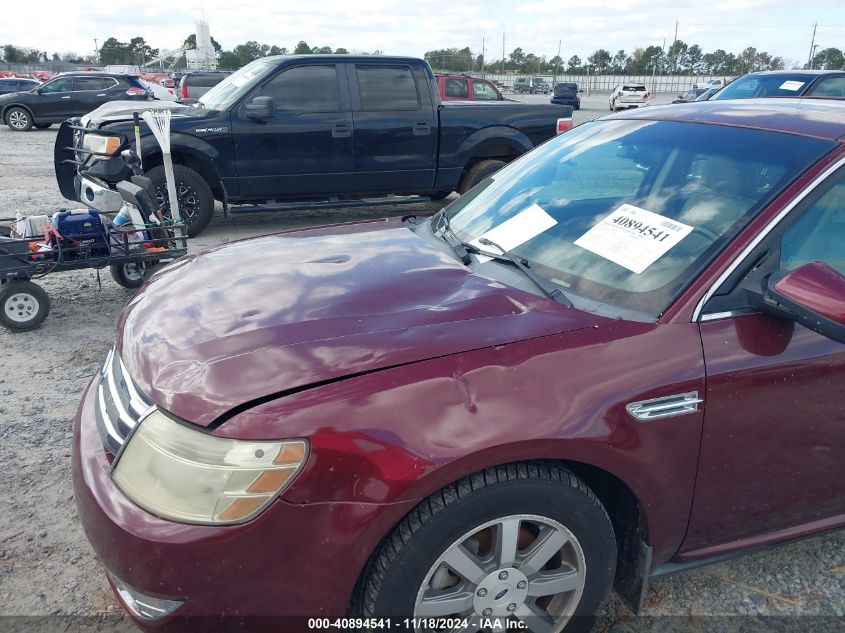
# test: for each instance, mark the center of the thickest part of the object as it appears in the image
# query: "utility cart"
(130, 253)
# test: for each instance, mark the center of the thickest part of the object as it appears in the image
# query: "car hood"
(261, 317)
(112, 111)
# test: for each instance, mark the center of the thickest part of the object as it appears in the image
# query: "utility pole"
(503, 56)
(812, 47)
(96, 50)
(675, 50)
(482, 56)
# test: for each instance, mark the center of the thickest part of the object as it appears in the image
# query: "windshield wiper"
(441, 225)
(549, 289)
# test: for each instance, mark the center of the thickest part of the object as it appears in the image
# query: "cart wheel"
(23, 305)
(131, 275)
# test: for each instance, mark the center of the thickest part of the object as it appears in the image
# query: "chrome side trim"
(696, 315)
(664, 407)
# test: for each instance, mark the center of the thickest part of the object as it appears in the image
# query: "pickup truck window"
(458, 88)
(387, 88)
(305, 89)
(239, 83)
(484, 91)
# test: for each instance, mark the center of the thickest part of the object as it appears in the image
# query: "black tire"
(406, 557)
(41, 126)
(577, 106)
(23, 305)
(196, 202)
(19, 119)
(131, 276)
(440, 195)
(479, 172)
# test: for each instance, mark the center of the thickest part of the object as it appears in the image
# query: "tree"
(620, 63)
(450, 59)
(556, 64)
(141, 51)
(829, 59)
(323, 50)
(517, 58)
(302, 48)
(341, 51)
(600, 60)
(693, 60)
(275, 50)
(114, 51)
(573, 66)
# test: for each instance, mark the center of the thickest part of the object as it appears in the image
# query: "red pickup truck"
(466, 88)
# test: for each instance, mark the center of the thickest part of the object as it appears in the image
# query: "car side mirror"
(260, 109)
(813, 295)
(39, 90)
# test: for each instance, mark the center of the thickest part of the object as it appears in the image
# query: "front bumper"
(290, 563)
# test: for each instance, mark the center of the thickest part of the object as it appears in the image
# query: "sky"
(781, 27)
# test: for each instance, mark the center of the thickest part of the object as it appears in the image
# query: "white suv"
(628, 96)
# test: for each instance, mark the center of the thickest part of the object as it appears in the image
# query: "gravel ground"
(47, 567)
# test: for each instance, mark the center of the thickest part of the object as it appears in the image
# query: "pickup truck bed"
(314, 128)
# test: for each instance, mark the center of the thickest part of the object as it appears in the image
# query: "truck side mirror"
(813, 295)
(260, 109)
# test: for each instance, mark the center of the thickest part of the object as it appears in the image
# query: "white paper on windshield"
(791, 85)
(525, 225)
(633, 237)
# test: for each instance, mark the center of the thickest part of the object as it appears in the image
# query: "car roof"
(92, 73)
(808, 73)
(820, 118)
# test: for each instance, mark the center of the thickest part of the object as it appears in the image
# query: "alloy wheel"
(522, 567)
(18, 119)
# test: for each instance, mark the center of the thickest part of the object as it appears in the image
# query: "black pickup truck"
(324, 130)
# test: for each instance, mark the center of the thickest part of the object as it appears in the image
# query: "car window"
(387, 88)
(753, 86)
(109, 83)
(65, 84)
(631, 88)
(458, 88)
(649, 179)
(485, 91)
(204, 81)
(305, 89)
(829, 87)
(819, 233)
(87, 83)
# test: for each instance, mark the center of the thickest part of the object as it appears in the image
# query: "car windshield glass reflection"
(675, 194)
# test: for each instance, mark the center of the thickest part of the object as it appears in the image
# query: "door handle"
(67, 97)
(422, 129)
(341, 130)
(102, 94)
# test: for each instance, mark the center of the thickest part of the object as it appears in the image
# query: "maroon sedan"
(620, 356)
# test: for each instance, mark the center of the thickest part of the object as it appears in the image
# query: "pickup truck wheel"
(196, 202)
(23, 305)
(19, 120)
(479, 172)
(526, 542)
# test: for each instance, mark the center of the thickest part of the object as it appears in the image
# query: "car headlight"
(189, 476)
(101, 144)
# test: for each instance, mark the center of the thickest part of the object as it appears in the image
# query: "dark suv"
(68, 95)
(193, 85)
(567, 93)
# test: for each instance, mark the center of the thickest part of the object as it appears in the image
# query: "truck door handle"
(422, 129)
(67, 97)
(341, 130)
(102, 94)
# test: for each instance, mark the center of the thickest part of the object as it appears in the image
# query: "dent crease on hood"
(256, 319)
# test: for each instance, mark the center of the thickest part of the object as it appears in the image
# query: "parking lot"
(46, 565)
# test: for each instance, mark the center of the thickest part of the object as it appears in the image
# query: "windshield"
(622, 214)
(752, 86)
(228, 91)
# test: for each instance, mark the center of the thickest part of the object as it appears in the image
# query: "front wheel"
(196, 202)
(19, 120)
(522, 543)
(23, 305)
